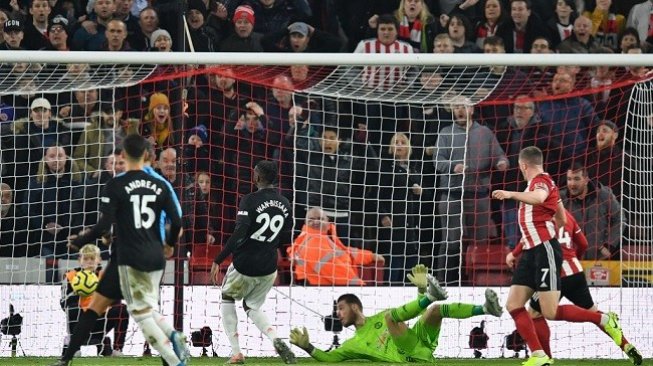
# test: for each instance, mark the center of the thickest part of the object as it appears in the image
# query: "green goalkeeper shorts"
(420, 340)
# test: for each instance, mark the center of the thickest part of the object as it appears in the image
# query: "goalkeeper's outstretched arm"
(299, 337)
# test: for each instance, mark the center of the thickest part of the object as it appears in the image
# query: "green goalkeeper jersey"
(373, 342)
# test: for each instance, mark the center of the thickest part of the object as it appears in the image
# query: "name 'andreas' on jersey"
(266, 213)
(136, 201)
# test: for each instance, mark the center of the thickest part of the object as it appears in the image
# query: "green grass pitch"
(152, 361)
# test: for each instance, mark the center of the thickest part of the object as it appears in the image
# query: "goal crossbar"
(327, 59)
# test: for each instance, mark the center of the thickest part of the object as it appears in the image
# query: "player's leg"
(146, 285)
(118, 320)
(435, 313)
(86, 323)
(228, 310)
(252, 303)
(575, 288)
(434, 292)
(521, 290)
(541, 325)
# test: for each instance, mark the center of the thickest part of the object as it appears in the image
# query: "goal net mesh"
(401, 160)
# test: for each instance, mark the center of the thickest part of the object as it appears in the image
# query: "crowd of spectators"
(406, 183)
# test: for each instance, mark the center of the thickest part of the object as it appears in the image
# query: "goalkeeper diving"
(385, 337)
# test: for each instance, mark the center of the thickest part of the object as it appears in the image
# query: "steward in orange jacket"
(320, 258)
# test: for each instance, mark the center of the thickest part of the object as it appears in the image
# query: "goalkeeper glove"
(299, 338)
(418, 277)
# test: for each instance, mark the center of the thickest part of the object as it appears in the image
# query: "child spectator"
(115, 318)
(196, 153)
(157, 124)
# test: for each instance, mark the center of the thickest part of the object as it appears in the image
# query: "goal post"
(400, 152)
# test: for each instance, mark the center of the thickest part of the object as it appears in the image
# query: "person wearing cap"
(301, 37)
(36, 32)
(161, 40)
(157, 124)
(604, 160)
(30, 136)
(243, 39)
(203, 38)
(58, 34)
(196, 153)
(13, 35)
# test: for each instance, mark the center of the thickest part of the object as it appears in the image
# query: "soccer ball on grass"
(84, 283)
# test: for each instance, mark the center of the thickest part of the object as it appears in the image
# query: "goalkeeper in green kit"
(384, 337)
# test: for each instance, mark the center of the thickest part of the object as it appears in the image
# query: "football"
(84, 283)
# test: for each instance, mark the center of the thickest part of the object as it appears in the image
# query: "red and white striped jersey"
(573, 244)
(536, 221)
(383, 77)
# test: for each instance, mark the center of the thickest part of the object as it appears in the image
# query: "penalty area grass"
(255, 361)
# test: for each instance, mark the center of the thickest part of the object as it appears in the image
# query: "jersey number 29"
(274, 224)
(141, 209)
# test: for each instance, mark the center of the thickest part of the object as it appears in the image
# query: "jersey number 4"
(141, 209)
(275, 224)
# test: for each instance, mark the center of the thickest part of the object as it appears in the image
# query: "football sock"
(82, 330)
(543, 334)
(161, 322)
(410, 310)
(230, 324)
(262, 323)
(575, 314)
(155, 336)
(526, 329)
(460, 311)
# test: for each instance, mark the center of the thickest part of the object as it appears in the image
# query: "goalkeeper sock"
(543, 334)
(230, 324)
(162, 323)
(410, 310)
(81, 333)
(155, 336)
(460, 311)
(262, 323)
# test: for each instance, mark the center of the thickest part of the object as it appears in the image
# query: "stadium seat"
(201, 260)
(373, 274)
(486, 264)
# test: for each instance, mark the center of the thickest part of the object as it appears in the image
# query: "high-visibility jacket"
(322, 259)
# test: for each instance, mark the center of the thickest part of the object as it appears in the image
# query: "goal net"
(401, 160)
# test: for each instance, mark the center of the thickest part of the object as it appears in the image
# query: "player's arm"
(172, 208)
(534, 197)
(239, 235)
(103, 226)
(580, 241)
(560, 216)
(299, 337)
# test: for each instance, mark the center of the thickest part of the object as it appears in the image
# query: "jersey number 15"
(275, 224)
(141, 209)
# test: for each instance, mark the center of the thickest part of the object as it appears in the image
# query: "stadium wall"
(44, 327)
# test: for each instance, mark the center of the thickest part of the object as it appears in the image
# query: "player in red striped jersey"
(573, 283)
(539, 268)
